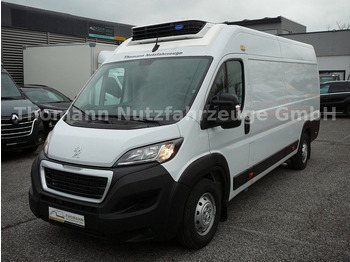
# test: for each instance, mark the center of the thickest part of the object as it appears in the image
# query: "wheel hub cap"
(304, 152)
(205, 214)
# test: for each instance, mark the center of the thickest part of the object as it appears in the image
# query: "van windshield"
(9, 89)
(144, 89)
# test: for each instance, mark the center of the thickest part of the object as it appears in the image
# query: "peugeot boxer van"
(176, 122)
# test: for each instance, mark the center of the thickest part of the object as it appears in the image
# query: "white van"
(203, 111)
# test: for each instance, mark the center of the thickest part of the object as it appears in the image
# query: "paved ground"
(287, 215)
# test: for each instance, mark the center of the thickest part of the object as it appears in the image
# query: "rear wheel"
(201, 216)
(299, 161)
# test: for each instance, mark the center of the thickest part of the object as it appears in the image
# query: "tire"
(299, 161)
(201, 216)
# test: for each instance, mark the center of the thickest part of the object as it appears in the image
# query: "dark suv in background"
(21, 126)
(335, 97)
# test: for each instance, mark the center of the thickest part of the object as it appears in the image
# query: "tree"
(343, 26)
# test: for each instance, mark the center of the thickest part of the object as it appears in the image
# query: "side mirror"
(224, 112)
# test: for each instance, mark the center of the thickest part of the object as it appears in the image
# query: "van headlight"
(46, 144)
(160, 152)
(53, 111)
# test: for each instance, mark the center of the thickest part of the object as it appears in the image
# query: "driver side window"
(229, 80)
(108, 89)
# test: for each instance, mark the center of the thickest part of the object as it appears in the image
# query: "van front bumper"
(143, 202)
(36, 138)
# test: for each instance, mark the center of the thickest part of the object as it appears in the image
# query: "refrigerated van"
(176, 122)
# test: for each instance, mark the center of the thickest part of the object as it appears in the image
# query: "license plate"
(66, 217)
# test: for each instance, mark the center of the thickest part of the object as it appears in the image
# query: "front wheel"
(299, 161)
(202, 215)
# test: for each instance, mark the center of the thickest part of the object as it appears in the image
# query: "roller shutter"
(12, 42)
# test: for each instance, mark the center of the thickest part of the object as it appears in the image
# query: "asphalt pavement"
(286, 216)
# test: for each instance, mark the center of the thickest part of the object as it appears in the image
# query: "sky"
(316, 15)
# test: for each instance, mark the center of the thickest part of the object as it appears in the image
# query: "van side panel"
(284, 94)
(261, 44)
(296, 51)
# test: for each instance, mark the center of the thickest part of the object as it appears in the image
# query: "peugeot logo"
(77, 152)
(15, 119)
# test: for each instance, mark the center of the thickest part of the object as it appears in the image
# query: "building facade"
(332, 50)
(22, 26)
(276, 26)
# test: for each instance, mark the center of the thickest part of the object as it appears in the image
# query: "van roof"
(197, 37)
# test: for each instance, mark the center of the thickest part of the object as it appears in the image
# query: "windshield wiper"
(101, 121)
(53, 102)
(118, 117)
(11, 98)
(144, 120)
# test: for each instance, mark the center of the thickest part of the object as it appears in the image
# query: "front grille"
(168, 29)
(23, 127)
(68, 204)
(76, 184)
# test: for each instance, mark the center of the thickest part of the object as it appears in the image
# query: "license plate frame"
(66, 217)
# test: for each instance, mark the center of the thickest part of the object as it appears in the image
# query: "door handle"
(247, 125)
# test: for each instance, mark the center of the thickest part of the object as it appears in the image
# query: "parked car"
(335, 96)
(52, 103)
(21, 126)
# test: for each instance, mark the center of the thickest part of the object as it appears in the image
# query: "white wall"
(334, 63)
(65, 67)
